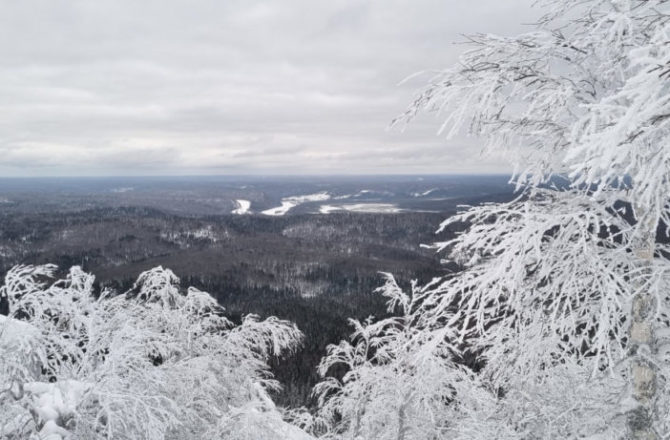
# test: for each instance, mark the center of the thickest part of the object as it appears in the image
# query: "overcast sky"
(129, 87)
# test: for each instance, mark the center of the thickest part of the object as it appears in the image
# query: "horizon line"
(306, 175)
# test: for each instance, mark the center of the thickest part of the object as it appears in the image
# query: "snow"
(378, 208)
(327, 209)
(51, 431)
(363, 193)
(123, 189)
(289, 432)
(373, 207)
(242, 207)
(54, 402)
(318, 197)
(15, 331)
(285, 207)
(425, 193)
(289, 203)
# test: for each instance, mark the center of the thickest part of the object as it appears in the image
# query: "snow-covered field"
(364, 193)
(288, 203)
(280, 210)
(327, 209)
(242, 207)
(379, 208)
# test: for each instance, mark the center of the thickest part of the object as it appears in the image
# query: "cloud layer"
(118, 87)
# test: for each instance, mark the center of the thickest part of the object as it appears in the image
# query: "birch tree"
(569, 279)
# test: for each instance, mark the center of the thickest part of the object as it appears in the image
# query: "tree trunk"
(642, 342)
(401, 423)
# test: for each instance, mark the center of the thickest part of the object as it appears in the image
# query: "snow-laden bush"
(155, 363)
(401, 380)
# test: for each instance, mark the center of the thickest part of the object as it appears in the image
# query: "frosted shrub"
(156, 362)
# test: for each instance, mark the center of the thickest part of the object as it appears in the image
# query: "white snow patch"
(425, 193)
(380, 208)
(372, 207)
(280, 210)
(318, 197)
(287, 203)
(327, 209)
(55, 402)
(242, 207)
(123, 189)
(15, 332)
(365, 192)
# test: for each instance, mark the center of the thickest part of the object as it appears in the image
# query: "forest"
(316, 271)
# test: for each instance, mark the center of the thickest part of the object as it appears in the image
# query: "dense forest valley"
(316, 269)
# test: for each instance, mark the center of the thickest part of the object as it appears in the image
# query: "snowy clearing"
(242, 207)
(287, 203)
(327, 209)
(280, 210)
(364, 193)
(379, 208)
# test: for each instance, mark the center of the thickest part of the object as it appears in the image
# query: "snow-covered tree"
(156, 362)
(567, 286)
(400, 380)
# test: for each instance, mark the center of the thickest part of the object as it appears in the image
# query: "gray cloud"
(248, 86)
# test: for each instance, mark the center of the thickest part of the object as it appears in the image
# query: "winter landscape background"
(507, 279)
(316, 264)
